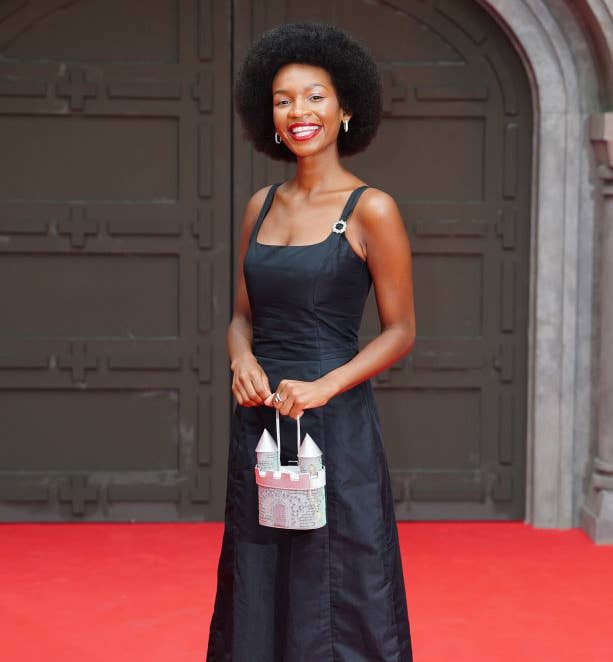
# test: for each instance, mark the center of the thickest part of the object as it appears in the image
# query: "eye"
(282, 102)
(316, 96)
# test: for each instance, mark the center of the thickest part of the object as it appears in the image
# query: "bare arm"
(249, 382)
(388, 255)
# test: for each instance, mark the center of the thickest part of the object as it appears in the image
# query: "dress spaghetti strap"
(352, 201)
(340, 225)
(264, 210)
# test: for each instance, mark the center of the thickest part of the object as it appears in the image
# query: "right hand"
(249, 382)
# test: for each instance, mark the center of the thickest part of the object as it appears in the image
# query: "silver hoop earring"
(346, 125)
(278, 138)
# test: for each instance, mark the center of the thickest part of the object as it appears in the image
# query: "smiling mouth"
(302, 133)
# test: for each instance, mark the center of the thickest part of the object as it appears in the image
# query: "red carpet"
(144, 592)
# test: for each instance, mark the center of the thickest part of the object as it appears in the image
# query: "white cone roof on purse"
(308, 448)
(266, 444)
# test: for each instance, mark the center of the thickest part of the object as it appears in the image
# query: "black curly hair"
(351, 68)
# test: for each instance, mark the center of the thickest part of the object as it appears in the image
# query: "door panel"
(114, 259)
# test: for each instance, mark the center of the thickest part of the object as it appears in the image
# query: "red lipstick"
(303, 131)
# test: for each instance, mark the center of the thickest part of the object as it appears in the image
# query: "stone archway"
(564, 76)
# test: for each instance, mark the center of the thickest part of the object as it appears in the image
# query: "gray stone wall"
(597, 511)
(567, 49)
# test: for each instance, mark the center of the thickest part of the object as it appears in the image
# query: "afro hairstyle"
(350, 65)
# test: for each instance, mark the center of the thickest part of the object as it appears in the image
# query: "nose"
(297, 109)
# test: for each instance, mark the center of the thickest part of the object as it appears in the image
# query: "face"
(306, 111)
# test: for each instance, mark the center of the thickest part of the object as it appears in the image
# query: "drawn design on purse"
(290, 497)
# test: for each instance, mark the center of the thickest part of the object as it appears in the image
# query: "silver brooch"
(339, 226)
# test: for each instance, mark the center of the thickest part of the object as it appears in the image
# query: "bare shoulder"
(260, 195)
(377, 212)
(252, 209)
(255, 202)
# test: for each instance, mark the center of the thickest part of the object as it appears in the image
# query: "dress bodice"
(306, 301)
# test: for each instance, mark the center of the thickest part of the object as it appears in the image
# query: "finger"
(260, 391)
(268, 400)
(296, 412)
(262, 386)
(278, 398)
(286, 405)
(241, 396)
(249, 389)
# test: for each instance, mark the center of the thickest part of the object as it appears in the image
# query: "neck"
(318, 172)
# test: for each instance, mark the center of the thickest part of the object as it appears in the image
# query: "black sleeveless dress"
(334, 594)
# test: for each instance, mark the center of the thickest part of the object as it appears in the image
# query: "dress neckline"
(318, 243)
(268, 204)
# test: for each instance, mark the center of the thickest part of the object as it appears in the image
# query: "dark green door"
(115, 248)
(123, 177)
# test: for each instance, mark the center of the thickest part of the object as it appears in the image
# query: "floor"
(130, 592)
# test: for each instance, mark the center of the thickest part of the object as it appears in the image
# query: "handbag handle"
(313, 501)
(278, 423)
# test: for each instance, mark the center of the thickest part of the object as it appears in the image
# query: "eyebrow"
(306, 88)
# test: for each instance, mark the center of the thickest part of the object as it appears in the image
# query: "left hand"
(296, 396)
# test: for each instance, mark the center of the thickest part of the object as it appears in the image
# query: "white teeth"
(306, 129)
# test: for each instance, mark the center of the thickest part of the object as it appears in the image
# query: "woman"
(310, 93)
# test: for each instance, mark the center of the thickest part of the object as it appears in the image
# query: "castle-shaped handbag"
(290, 497)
